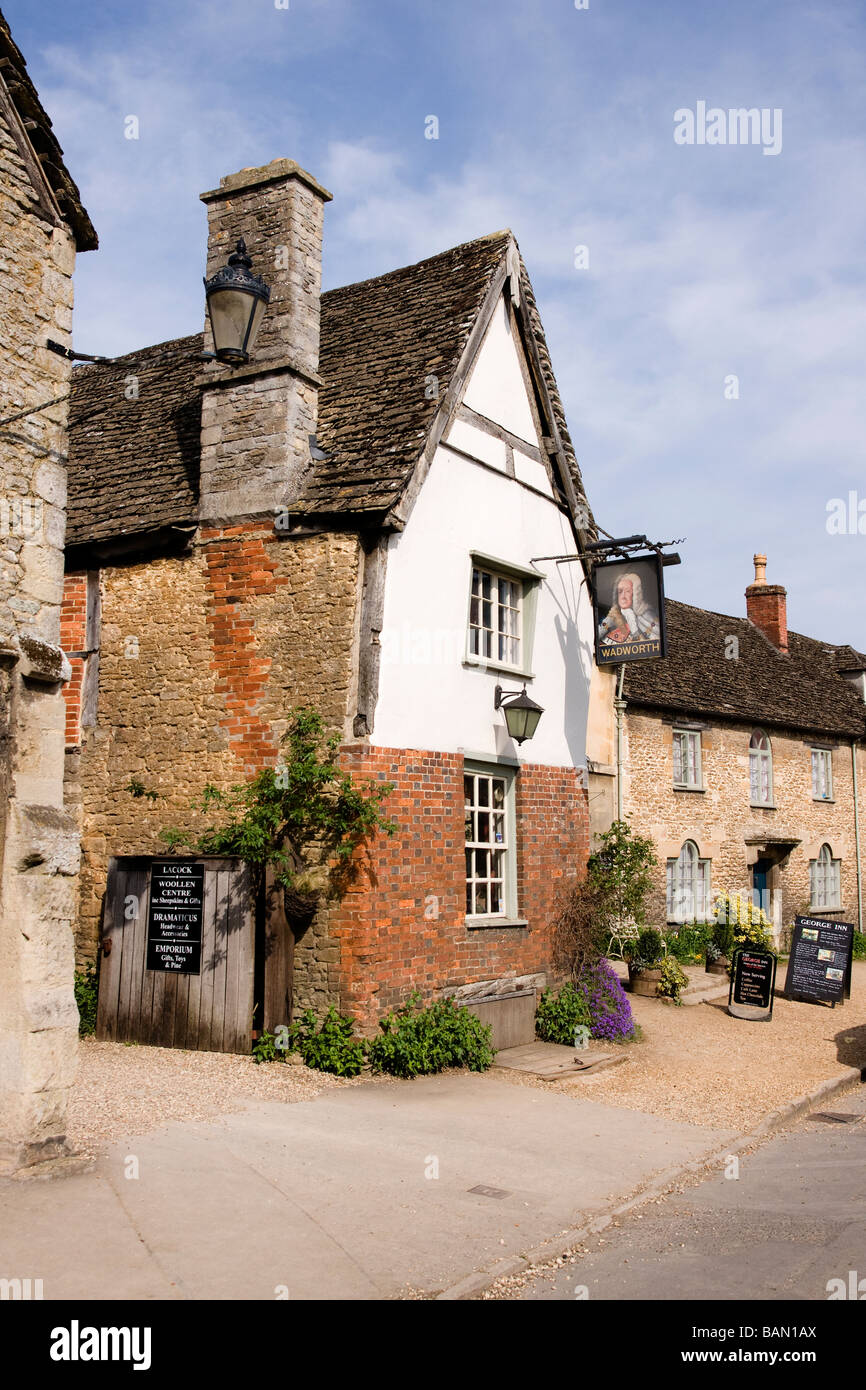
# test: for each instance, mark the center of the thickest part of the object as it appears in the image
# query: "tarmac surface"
(792, 1221)
(377, 1191)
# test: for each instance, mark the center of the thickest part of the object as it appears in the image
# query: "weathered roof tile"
(705, 675)
(134, 465)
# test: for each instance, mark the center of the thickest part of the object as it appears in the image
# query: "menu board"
(754, 972)
(174, 922)
(820, 961)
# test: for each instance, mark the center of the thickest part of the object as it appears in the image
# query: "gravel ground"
(695, 1064)
(701, 1066)
(124, 1090)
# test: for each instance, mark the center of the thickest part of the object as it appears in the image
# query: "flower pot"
(643, 981)
(719, 966)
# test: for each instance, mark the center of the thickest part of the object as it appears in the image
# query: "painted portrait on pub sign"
(629, 610)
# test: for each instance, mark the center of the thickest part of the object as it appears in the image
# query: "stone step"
(701, 987)
(697, 992)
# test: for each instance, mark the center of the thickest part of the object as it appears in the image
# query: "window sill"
(813, 911)
(762, 806)
(683, 787)
(825, 800)
(482, 923)
(518, 673)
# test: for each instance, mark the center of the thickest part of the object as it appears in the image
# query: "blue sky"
(705, 261)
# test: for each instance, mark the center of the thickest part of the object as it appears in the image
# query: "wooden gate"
(211, 1011)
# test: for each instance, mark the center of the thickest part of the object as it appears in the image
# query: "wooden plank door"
(211, 1011)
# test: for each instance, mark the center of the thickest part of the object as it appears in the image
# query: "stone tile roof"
(25, 98)
(133, 465)
(134, 459)
(847, 659)
(381, 340)
(802, 690)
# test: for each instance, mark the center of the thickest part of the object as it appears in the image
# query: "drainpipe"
(857, 837)
(619, 705)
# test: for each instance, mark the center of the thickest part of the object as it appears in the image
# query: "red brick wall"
(239, 568)
(766, 607)
(386, 945)
(73, 638)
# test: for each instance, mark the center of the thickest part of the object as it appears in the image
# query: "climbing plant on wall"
(305, 817)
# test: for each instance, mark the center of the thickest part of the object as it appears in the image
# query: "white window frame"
(506, 618)
(527, 583)
(484, 845)
(825, 880)
(822, 774)
(686, 740)
(688, 886)
(760, 758)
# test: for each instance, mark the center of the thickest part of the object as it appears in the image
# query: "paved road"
(794, 1219)
(371, 1192)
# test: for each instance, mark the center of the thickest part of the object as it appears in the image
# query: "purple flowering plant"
(609, 1008)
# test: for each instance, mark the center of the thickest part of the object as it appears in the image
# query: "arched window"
(825, 886)
(760, 769)
(688, 886)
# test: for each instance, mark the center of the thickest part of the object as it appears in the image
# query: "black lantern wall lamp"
(521, 713)
(236, 303)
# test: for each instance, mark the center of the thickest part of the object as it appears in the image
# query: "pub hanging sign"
(629, 607)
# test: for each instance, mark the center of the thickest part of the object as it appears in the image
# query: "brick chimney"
(257, 419)
(766, 606)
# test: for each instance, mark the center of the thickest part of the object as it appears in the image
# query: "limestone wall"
(201, 658)
(38, 1019)
(727, 830)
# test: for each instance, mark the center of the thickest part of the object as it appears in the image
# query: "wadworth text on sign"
(174, 923)
(629, 604)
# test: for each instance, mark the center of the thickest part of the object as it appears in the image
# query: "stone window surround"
(687, 732)
(821, 753)
(762, 752)
(702, 884)
(833, 879)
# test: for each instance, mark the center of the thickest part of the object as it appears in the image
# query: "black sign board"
(175, 919)
(753, 976)
(820, 964)
(629, 606)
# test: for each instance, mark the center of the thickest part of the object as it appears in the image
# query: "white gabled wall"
(496, 387)
(429, 696)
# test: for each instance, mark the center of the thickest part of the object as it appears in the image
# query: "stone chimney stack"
(257, 419)
(766, 606)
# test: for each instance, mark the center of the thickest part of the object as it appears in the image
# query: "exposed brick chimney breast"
(766, 606)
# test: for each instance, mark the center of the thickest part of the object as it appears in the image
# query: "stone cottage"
(42, 224)
(743, 759)
(365, 518)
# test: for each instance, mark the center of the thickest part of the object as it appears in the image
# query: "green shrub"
(673, 981)
(416, 1041)
(86, 994)
(326, 1046)
(688, 943)
(723, 937)
(331, 1047)
(859, 945)
(559, 1012)
(647, 950)
(268, 1048)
